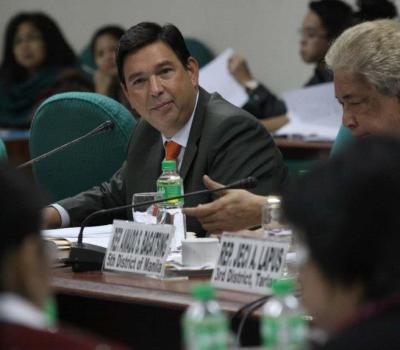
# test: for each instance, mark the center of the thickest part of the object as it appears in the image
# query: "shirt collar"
(182, 136)
(14, 309)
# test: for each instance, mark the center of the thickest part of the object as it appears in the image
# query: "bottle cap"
(282, 286)
(168, 165)
(203, 291)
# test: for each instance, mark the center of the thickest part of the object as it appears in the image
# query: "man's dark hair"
(115, 31)
(58, 52)
(335, 15)
(346, 212)
(20, 210)
(146, 33)
(371, 10)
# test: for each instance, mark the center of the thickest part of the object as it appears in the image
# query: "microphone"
(85, 257)
(107, 125)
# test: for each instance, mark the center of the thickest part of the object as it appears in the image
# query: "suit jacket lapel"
(195, 132)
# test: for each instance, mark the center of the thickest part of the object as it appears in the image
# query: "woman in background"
(103, 46)
(324, 21)
(37, 62)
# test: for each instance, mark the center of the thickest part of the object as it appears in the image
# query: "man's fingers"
(213, 185)
(200, 211)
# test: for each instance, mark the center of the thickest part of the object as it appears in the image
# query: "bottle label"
(211, 333)
(289, 331)
(170, 188)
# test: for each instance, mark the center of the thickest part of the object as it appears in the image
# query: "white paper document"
(314, 113)
(215, 77)
(98, 235)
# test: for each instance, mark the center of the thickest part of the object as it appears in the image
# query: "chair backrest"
(343, 138)
(199, 51)
(65, 117)
(3, 151)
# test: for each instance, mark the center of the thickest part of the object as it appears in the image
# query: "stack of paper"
(314, 113)
(98, 235)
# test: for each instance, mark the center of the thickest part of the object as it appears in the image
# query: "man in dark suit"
(160, 80)
(24, 274)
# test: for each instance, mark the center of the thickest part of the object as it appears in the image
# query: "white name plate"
(138, 248)
(249, 264)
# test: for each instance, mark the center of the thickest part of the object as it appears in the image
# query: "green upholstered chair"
(65, 117)
(343, 138)
(86, 61)
(3, 151)
(199, 51)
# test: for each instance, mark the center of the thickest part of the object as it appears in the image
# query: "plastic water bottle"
(170, 184)
(205, 326)
(282, 324)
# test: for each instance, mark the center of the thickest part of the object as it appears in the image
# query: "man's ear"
(192, 67)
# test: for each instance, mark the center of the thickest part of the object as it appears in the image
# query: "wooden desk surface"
(296, 149)
(129, 288)
(142, 312)
(296, 143)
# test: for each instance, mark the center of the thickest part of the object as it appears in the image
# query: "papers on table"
(314, 113)
(215, 77)
(97, 235)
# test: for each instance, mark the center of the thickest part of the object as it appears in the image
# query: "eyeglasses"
(309, 33)
(30, 38)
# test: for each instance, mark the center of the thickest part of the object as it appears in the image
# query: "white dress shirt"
(16, 310)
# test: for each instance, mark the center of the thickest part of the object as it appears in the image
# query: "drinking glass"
(148, 213)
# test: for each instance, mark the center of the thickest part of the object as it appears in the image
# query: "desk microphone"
(107, 125)
(85, 257)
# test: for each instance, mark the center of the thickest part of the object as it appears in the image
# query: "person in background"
(25, 274)
(324, 21)
(370, 10)
(104, 45)
(365, 61)
(37, 62)
(345, 214)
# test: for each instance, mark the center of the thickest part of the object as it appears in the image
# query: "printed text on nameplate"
(138, 248)
(249, 264)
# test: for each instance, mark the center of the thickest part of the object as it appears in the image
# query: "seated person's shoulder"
(220, 111)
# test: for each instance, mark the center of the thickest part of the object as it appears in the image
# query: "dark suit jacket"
(225, 142)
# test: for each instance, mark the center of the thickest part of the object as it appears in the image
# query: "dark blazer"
(225, 142)
(378, 332)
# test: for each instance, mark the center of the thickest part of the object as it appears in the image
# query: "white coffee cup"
(200, 251)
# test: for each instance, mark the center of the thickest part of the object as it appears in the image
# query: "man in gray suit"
(160, 80)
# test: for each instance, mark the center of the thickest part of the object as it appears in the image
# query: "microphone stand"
(86, 257)
(102, 127)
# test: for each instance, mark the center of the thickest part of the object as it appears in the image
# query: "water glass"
(148, 213)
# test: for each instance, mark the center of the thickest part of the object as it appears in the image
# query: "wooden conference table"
(140, 311)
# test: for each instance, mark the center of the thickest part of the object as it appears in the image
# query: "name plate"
(249, 264)
(138, 248)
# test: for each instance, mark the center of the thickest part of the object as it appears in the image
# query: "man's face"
(365, 110)
(160, 88)
(314, 42)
